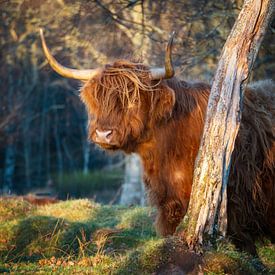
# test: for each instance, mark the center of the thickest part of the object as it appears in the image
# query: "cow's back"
(251, 190)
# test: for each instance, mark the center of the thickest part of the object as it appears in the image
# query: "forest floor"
(82, 237)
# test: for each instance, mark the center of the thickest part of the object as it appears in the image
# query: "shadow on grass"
(39, 237)
(107, 229)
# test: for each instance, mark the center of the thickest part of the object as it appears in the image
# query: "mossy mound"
(80, 236)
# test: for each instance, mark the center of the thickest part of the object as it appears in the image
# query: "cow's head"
(124, 100)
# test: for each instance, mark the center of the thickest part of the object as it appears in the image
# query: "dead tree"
(207, 208)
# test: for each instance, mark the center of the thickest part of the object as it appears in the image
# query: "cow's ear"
(163, 103)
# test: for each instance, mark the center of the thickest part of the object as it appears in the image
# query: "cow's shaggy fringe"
(124, 79)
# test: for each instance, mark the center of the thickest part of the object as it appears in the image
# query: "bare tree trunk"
(10, 150)
(132, 188)
(58, 148)
(30, 80)
(207, 208)
(9, 167)
(86, 149)
(48, 151)
(27, 150)
(86, 157)
(41, 147)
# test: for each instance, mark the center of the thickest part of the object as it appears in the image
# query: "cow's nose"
(103, 136)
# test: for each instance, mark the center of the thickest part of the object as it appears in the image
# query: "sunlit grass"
(83, 237)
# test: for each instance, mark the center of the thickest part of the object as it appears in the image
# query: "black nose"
(103, 136)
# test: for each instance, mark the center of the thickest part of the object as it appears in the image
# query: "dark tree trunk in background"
(10, 150)
(207, 208)
(59, 157)
(27, 151)
(42, 129)
(9, 166)
(86, 149)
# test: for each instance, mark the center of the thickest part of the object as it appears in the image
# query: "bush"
(79, 185)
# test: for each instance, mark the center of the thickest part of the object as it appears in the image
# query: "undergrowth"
(82, 237)
(77, 184)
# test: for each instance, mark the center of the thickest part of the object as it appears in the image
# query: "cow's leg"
(169, 216)
(170, 209)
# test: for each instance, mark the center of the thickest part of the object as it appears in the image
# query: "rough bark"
(207, 207)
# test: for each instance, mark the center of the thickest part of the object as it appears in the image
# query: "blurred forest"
(43, 139)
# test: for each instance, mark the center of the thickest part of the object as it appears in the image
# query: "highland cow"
(134, 108)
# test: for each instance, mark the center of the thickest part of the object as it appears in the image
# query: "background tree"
(132, 188)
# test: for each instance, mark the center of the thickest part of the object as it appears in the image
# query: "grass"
(82, 237)
(77, 184)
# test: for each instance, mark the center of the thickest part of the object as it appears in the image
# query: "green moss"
(135, 217)
(266, 251)
(225, 259)
(106, 216)
(143, 260)
(183, 225)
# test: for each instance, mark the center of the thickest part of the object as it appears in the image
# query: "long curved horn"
(168, 70)
(63, 71)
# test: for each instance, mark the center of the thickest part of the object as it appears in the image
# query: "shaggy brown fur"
(163, 121)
